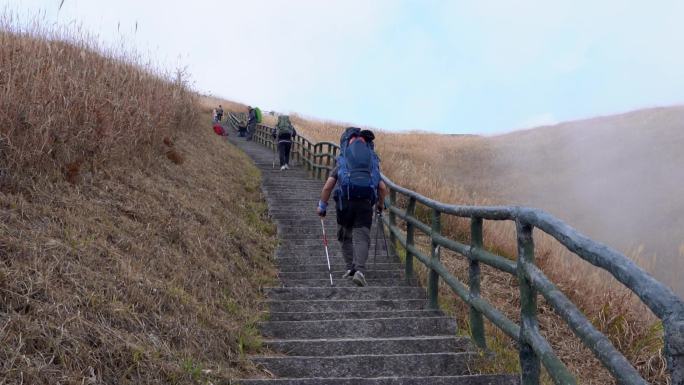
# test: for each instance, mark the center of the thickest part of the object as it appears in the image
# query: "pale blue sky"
(480, 66)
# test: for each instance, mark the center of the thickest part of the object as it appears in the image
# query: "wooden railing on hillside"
(534, 349)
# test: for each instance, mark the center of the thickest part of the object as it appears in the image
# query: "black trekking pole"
(327, 255)
(377, 228)
(384, 238)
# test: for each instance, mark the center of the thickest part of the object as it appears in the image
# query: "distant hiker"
(213, 115)
(219, 113)
(251, 122)
(283, 133)
(357, 189)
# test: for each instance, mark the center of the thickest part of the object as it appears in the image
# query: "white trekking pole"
(274, 156)
(327, 255)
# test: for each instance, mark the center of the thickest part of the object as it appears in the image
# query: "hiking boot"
(349, 274)
(287, 167)
(282, 168)
(359, 279)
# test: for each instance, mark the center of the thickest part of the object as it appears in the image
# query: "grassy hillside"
(133, 241)
(618, 157)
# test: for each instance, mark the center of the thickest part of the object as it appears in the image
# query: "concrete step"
(339, 282)
(346, 305)
(348, 328)
(334, 259)
(397, 365)
(302, 268)
(332, 315)
(372, 274)
(350, 293)
(315, 247)
(368, 346)
(392, 380)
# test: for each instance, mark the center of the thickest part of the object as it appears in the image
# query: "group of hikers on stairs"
(253, 117)
(355, 185)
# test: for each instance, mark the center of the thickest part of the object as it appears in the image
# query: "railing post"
(318, 148)
(309, 165)
(529, 362)
(327, 162)
(392, 220)
(433, 277)
(477, 330)
(674, 349)
(410, 229)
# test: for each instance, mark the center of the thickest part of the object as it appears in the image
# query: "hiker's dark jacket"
(252, 117)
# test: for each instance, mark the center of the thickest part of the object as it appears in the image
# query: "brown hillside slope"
(133, 241)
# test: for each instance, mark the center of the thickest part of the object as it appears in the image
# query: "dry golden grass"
(464, 170)
(209, 103)
(133, 241)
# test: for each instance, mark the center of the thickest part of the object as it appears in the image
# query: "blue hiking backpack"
(358, 174)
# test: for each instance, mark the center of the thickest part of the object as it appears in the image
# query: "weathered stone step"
(375, 346)
(315, 244)
(339, 282)
(346, 305)
(392, 380)
(330, 315)
(294, 293)
(304, 204)
(347, 328)
(430, 364)
(282, 215)
(316, 258)
(314, 239)
(337, 267)
(337, 262)
(288, 199)
(371, 274)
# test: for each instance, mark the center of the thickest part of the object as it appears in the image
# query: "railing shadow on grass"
(534, 350)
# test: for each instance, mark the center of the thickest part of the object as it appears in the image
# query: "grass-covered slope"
(133, 241)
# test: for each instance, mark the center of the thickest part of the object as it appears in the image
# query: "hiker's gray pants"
(251, 128)
(354, 220)
(355, 244)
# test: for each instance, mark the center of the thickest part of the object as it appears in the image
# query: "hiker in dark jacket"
(219, 113)
(284, 132)
(251, 122)
(355, 202)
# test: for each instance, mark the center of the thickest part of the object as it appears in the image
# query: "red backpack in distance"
(218, 129)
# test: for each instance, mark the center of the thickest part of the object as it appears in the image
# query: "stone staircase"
(382, 334)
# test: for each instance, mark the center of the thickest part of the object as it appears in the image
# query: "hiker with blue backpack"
(357, 188)
(283, 133)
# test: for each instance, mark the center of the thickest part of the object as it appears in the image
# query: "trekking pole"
(384, 238)
(327, 256)
(274, 156)
(377, 228)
